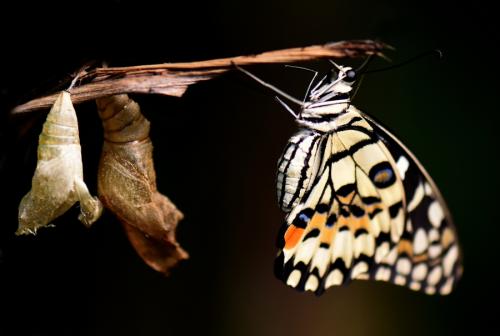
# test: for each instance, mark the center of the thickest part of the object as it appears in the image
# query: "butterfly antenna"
(335, 65)
(365, 63)
(299, 67)
(288, 108)
(272, 87)
(357, 87)
(310, 83)
(436, 52)
(319, 83)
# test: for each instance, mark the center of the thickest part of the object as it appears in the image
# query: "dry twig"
(174, 78)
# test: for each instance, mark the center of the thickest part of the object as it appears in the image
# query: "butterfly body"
(359, 204)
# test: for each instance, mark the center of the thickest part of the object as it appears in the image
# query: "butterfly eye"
(350, 76)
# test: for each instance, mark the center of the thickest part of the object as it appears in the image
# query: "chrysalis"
(127, 184)
(58, 180)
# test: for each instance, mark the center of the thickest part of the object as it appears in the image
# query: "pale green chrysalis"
(58, 180)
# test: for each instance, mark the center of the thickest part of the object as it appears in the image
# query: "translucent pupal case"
(58, 180)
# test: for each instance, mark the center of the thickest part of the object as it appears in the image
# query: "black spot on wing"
(344, 212)
(420, 215)
(394, 209)
(382, 175)
(340, 265)
(303, 218)
(407, 235)
(359, 232)
(372, 214)
(370, 200)
(382, 238)
(332, 219)
(322, 208)
(312, 234)
(346, 189)
(357, 211)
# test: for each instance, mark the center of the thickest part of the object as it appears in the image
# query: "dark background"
(215, 156)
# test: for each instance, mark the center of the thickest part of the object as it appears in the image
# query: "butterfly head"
(336, 86)
(332, 95)
(326, 100)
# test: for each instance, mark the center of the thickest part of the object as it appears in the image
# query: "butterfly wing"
(428, 256)
(351, 216)
(352, 223)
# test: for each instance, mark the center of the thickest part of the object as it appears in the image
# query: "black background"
(215, 155)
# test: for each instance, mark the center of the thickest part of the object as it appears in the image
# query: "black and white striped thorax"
(319, 114)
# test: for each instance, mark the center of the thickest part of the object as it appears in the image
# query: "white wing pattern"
(361, 207)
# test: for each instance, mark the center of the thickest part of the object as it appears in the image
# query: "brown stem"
(174, 78)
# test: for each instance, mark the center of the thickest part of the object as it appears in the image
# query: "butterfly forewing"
(428, 256)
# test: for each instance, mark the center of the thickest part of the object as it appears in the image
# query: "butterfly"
(359, 204)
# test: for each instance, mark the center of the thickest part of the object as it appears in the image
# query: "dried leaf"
(127, 184)
(58, 180)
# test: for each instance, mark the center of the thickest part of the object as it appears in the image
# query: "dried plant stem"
(174, 78)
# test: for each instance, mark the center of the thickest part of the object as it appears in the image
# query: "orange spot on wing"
(342, 221)
(327, 235)
(422, 257)
(355, 223)
(447, 238)
(318, 221)
(292, 236)
(346, 199)
(360, 223)
(405, 246)
(372, 207)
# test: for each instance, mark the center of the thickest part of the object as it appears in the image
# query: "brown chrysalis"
(127, 184)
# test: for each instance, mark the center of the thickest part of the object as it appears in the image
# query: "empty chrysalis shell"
(127, 184)
(58, 180)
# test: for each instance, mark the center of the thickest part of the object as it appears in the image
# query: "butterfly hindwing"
(350, 217)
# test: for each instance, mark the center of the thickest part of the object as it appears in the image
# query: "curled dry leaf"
(58, 180)
(127, 184)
